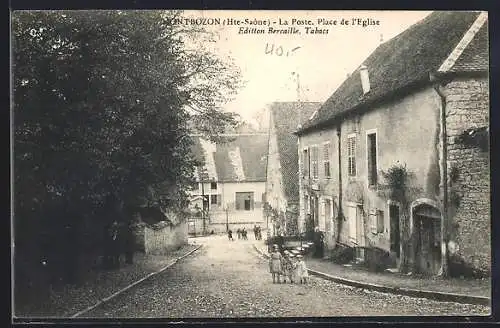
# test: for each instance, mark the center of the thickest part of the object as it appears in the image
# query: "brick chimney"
(365, 80)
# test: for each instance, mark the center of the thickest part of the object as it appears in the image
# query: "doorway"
(395, 233)
(427, 225)
(356, 229)
(315, 210)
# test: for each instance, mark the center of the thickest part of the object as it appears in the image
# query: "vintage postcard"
(189, 165)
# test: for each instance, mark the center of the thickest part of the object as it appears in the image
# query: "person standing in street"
(238, 232)
(275, 267)
(287, 267)
(302, 273)
(230, 235)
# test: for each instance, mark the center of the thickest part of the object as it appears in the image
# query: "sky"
(322, 61)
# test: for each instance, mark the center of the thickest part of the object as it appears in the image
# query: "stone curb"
(104, 300)
(438, 296)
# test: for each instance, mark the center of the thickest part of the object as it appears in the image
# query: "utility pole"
(203, 206)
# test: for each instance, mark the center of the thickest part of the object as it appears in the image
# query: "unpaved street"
(229, 279)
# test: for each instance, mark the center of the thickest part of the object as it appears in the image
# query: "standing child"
(275, 267)
(302, 270)
(288, 267)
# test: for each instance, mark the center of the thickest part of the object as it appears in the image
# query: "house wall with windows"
(231, 180)
(240, 206)
(318, 182)
(403, 131)
(415, 111)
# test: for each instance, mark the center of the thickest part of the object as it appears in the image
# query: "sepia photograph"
(249, 164)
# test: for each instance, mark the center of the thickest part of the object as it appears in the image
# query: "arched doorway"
(427, 230)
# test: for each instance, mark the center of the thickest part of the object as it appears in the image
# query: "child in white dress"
(302, 273)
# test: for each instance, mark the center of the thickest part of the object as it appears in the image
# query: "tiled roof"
(475, 57)
(198, 154)
(245, 156)
(286, 117)
(403, 61)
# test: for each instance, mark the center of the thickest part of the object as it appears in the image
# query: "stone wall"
(162, 240)
(467, 107)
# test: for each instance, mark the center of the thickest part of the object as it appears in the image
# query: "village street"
(229, 279)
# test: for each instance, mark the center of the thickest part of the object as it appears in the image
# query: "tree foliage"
(101, 101)
(399, 186)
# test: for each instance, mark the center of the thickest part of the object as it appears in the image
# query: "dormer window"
(365, 79)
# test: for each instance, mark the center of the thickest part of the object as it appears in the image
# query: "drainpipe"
(267, 169)
(340, 217)
(444, 176)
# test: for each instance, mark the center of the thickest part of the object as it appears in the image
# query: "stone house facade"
(383, 162)
(282, 190)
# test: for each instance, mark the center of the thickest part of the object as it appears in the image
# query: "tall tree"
(101, 101)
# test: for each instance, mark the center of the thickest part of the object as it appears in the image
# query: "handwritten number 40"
(278, 51)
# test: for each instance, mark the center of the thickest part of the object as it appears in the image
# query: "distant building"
(282, 187)
(420, 101)
(231, 181)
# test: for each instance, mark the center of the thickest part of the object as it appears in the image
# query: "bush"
(342, 254)
(377, 259)
(458, 268)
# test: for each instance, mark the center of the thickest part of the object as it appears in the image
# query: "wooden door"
(394, 232)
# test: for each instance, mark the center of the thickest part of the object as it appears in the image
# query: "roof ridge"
(404, 60)
(464, 43)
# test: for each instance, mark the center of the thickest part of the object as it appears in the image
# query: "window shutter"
(373, 221)
(321, 221)
(219, 199)
(351, 154)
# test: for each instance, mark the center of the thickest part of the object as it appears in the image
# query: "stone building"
(231, 181)
(282, 188)
(397, 157)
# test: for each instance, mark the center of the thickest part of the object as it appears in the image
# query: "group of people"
(288, 265)
(257, 232)
(243, 234)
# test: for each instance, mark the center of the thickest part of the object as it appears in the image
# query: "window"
(351, 155)
(305, 163)
(244, 201)
(377, 221)
(213, 199)
(213, 185)
(371, 155)
(306, 204)
(326, 160)
(314, 162)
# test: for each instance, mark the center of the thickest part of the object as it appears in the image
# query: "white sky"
(323, 61)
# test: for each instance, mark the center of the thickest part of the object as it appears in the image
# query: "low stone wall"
(162, 240)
